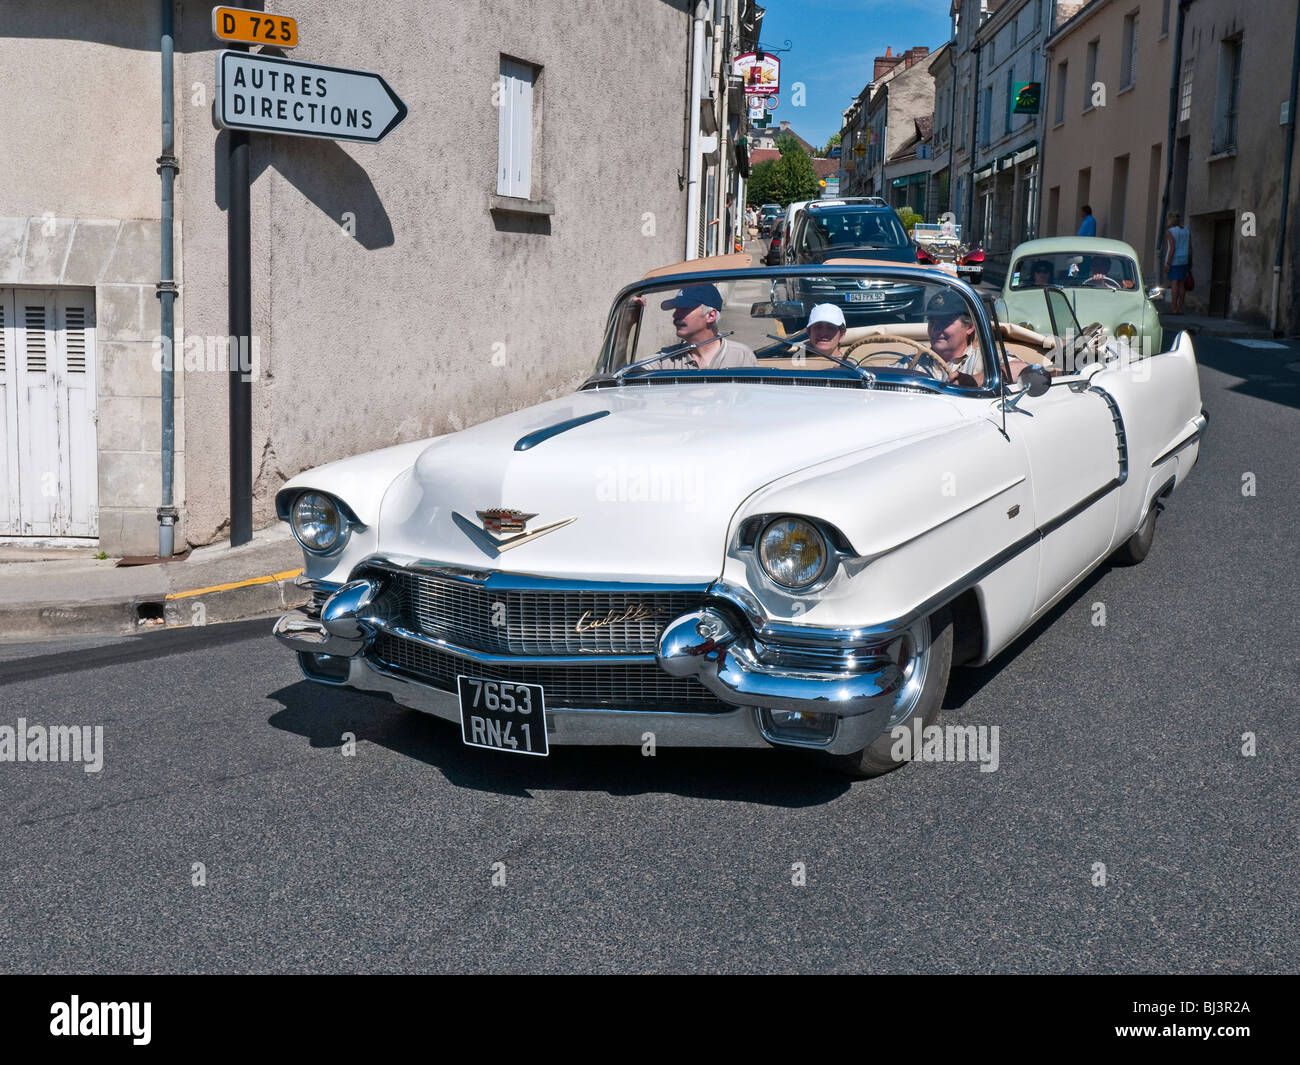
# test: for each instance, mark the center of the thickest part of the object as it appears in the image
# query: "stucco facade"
(1105, 140)
(1227, 179)
(1005, 161)
(393, 296)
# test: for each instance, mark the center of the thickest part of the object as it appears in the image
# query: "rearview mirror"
(1155, 292)
(777, 309)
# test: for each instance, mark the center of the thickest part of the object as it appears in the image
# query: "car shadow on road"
(769, 778)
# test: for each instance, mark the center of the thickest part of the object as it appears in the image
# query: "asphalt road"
(1118, 745)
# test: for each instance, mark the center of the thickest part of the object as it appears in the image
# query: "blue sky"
(833, 44)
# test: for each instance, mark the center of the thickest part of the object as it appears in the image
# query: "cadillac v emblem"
(503, 528)
(500, 520)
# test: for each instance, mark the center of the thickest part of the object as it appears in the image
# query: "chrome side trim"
(539, 436)
(1199, 424)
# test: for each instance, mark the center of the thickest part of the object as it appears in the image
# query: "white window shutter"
(521, 134)
(515, 130)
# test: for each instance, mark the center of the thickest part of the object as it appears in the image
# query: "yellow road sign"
(254, 27)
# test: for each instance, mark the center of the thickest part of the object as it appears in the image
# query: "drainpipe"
(952, 122)
(167, 168)
(1174, 79)
(1286, 176)
(974, 148)
(694, 163)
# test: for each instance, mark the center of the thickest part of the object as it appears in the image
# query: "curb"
(127, 615)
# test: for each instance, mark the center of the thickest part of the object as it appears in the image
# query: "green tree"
(793, 177)
(834, 142)
(787, 142)
(760, 188)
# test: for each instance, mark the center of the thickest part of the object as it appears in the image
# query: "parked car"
(773, 256)
(833, 230)
(792, 553)
(1101, 278)
(767, 217)
(797, 208)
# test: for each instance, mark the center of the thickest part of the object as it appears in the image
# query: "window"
(1062, 85)
(1164, 18)
(1128, 61)
(515, 129)
(1090, 73)
(1118, 197)
(965, 117)
(1011, 97)
(1225, 95)
(988, 111)
(1185, 100)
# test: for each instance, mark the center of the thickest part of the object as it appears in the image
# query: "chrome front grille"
(616, 687)
(530, 621)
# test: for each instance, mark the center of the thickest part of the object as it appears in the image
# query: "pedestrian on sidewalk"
(1087, 227)
(1178, 261)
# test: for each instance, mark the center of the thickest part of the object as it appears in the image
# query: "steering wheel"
(1102, 282)
(887, 338)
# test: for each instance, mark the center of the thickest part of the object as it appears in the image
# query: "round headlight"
(792, 552)
(317, 522)
(1126, 331)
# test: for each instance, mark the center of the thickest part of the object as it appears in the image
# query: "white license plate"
(502, 715)
(865, 297)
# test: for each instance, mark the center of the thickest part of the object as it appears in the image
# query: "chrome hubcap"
(914, 662)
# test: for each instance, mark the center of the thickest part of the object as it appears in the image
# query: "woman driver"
(952, 337)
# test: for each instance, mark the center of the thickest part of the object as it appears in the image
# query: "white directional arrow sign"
(268, 94)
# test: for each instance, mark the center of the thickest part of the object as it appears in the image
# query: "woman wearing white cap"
(825, 329)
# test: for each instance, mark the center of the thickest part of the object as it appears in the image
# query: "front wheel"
(924, 684)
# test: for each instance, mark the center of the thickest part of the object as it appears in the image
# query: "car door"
(1069, 436)
(1074, 437)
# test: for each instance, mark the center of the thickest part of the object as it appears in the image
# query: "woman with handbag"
(1178, 262)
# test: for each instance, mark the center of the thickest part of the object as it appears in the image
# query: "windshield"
(920, 331)
(831, 232)
(1069, 269)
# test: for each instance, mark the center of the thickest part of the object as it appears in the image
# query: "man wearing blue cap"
(695, 317)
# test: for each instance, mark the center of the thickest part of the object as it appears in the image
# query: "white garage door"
(47, 413)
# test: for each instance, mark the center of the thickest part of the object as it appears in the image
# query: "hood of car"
(638, 482)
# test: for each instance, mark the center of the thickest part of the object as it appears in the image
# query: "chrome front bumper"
(854, 688)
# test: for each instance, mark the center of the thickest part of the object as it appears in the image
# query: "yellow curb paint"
(286, 575)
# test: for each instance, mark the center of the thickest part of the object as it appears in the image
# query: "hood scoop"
(539, 436)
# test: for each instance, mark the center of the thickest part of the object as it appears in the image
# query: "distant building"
(883, 117)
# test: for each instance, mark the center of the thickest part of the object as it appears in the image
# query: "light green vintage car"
(1101, 278)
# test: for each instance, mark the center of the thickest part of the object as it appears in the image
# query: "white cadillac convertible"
(764, 521)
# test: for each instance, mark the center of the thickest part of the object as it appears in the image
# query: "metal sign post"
(239, 305)
(267, 94)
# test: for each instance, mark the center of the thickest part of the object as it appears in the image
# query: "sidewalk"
(1217, 327)
(44, 595)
